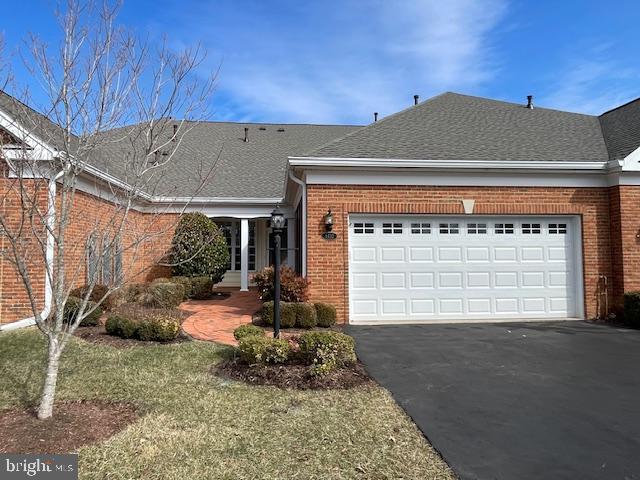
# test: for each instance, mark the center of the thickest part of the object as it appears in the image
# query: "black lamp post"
(277, 225)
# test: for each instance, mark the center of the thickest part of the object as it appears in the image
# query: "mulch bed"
(292, 376)
(73, 425)
(99, 336)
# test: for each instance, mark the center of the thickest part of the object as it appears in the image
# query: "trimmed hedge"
(161, 295)
(201, 288)
(326, 351)
(293, 288)
(254, 349)
(98, 293)
(247, 330)
(632, 309)
(72, 308)
(186, 283)
(326, 314)
(133, 321)
(199, 248)
(287, 314)
(306, 316)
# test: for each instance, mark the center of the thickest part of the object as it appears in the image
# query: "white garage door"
(417, 268)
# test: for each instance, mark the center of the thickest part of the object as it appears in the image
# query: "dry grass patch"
(195, 425)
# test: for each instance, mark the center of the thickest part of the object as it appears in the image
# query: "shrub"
(121, 326)
(199, 248)
(287, 314)
(326, 314)
(161, 295)
(201, 288)
(134, 321)
(72, 308)
(158, 328)
(632, 309)
(254, 349)
(293, 288)
(97, 293)
(248, 330)
(326, 351)
(186, 283)
(306, 316)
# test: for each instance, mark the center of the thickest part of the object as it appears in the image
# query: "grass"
(195, 425)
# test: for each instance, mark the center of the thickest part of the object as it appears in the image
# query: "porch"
(250, 248)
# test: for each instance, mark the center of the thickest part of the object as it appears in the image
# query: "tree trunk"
(45, 410)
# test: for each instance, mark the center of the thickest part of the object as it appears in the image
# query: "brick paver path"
(215, 320)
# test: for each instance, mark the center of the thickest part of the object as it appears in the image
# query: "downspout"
(303, 197)
(48, 291)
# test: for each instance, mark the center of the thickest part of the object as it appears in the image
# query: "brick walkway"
(215, 320)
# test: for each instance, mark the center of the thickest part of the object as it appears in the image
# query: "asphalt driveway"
(516, 401)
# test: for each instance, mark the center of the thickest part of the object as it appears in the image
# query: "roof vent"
(262, 128)
(281, 129)
(375, 116)
(530, 101)
(415, 99)
(246, 134)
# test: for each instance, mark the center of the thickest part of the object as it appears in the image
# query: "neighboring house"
(457, 208)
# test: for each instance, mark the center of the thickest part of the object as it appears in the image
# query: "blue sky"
(339, 61)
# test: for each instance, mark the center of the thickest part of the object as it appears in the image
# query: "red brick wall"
(625, 245)
(327, 261)
(146, 239)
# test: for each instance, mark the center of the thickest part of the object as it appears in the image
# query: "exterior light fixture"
(328, 221)
(278, 223)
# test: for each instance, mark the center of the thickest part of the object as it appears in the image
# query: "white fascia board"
(458, 178)
(331, 162)
(631, 162)
(41, 149)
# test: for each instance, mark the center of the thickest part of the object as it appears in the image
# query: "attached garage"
(411, 268)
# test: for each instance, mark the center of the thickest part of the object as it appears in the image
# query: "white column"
(291, 242)
(244, 254)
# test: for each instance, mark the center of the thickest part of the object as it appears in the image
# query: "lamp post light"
(277, 225)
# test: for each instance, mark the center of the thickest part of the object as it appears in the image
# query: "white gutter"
(48, 291)
(303, 186)
(464, 164)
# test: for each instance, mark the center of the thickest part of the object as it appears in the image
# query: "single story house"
(458, 208)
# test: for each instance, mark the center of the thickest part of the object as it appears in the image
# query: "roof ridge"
(373, 124)
(619, 107)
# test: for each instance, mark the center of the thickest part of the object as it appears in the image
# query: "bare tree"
(111, 100)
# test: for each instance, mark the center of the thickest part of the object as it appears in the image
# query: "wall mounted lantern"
(328, 221)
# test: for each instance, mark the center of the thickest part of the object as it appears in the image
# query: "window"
(363, 228)
(421, 228)
(231, 231)
(504, 228)
(530, 228)
(449, 228)
(107, 267)
(394, 228)
(477, 228)
(557, 228)
(104, 260)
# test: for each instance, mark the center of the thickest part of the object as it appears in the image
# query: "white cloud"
(340, 62)
(593, 83)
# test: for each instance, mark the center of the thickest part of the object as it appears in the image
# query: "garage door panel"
(428, 268)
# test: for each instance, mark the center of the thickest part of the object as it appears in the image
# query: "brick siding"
(327, 261)
(145, 241)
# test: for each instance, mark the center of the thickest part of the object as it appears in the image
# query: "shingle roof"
(621, 129)
(33, 121)
(452, 126)
(253, 169)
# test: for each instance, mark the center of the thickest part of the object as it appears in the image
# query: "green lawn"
(197, 426)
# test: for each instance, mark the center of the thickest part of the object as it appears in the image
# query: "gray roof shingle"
(452, 126)
(253, 169)
(621, 129)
